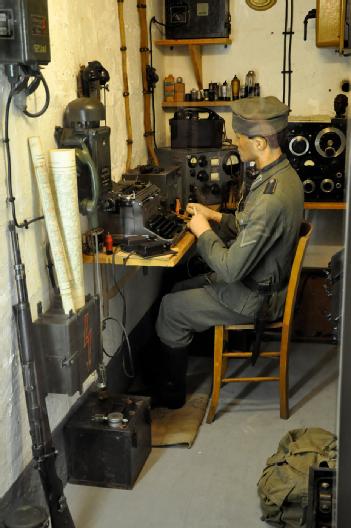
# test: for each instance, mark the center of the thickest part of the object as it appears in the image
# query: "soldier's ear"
(261, 142)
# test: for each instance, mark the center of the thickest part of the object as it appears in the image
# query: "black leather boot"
(172, 384)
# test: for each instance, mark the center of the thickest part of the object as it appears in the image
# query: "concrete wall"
(79, 32)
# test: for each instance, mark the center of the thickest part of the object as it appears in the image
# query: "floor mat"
(172, 427)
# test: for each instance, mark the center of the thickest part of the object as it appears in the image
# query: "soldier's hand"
(206, 212)
(198, 224)
(193, 208)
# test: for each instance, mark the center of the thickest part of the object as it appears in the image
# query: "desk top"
(121, 258)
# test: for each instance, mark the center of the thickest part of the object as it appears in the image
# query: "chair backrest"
(304, 236)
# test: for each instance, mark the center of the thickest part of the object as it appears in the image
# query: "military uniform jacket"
(265, 234)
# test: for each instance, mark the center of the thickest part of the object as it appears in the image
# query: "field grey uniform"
(264, 236)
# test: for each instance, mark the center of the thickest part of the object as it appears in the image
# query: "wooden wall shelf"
(336, 206)
(186, 104)
(195, 51)
(193, 42)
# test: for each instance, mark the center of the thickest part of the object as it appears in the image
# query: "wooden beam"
(196, 58)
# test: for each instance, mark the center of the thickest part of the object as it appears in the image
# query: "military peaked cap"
(259, 116)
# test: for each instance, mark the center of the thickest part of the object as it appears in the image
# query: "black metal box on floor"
(107, 442)
(187, 19)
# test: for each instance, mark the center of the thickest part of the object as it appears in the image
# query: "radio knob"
(338, 174)
(108, 205)
(205, 189)
(330, 152)
(192, 162)
(309, 186)
(202, 176)
(202, 161)
(192, 173)
(327, 185)
(215, 188)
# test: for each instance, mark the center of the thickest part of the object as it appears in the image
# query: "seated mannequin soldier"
(250, 252)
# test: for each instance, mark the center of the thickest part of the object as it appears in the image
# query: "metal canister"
(193, 94)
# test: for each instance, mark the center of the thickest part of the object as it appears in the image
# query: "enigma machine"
(316, 150)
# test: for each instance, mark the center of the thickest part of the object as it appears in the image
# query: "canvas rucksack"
(283, 486)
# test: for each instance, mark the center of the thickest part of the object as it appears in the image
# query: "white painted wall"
(79, 32)
(257, 44)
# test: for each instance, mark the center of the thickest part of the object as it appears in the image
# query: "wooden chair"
(221, 355)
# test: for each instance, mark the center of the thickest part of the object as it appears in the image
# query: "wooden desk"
(122, 258)
(337, 206)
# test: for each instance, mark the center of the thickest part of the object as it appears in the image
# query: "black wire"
(153, 19)
(11, 198)
(284, 52)
(289, 52)
(40, 76)
(132, 370)
(123, 325)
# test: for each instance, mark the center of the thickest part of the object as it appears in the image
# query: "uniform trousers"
(191, 308)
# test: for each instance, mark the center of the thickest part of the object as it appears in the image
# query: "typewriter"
(133, 209)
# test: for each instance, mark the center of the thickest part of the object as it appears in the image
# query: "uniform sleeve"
(227, 228)
(259, 230)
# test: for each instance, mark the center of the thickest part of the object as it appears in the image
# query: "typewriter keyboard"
(168, 227)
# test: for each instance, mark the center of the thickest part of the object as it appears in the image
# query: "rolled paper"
(52, 225)
(63, 173)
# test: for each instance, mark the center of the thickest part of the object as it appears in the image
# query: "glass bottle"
(250, 83)
(235, 88)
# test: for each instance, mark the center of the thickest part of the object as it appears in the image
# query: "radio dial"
(330, 142)
(299, 145)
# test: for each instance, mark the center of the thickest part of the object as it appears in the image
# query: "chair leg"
(284, 377)
(224, 359)
(217, 371)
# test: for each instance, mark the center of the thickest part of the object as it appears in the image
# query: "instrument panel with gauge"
(209, 176)
(316, 149)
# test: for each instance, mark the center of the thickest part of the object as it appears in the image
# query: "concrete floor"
(213, 484)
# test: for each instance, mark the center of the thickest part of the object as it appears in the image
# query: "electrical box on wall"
(188, 19)
(333, 24)
(24, 32)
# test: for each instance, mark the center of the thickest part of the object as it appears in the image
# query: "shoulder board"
(271, 186)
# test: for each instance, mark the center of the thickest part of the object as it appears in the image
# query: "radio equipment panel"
(192, 19)
(209, 176)
(24, 32)
(316, 150)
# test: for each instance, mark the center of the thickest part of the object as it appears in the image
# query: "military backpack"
(283, 486)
